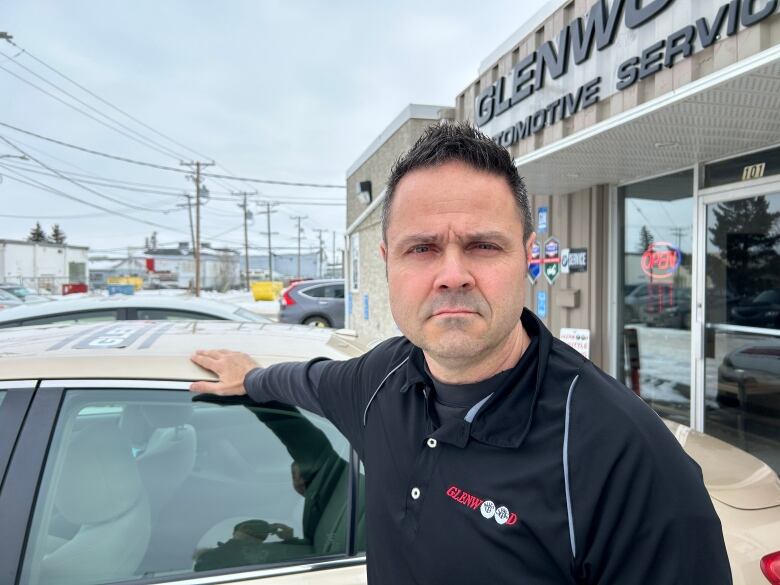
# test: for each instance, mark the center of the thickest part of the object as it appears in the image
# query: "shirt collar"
(506, 417)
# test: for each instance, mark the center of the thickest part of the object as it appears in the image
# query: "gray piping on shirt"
(390, 373)
(475, 409)
(566, 467)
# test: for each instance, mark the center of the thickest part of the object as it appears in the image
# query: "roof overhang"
(734, 110)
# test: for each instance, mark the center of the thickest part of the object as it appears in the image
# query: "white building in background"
(173, 267)
(219, 267)
(42, 266)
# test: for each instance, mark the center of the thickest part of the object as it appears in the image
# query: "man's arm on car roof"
(329, 388)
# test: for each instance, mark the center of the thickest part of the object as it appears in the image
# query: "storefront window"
(656, 290)
(742, 324)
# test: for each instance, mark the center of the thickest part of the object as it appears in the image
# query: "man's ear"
(383, 253)
(528, 245)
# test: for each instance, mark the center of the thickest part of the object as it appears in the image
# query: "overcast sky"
(284, 90)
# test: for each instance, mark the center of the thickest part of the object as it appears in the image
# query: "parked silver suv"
(313, 302)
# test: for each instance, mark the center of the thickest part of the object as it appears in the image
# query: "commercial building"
(649, 137)
(42, 266)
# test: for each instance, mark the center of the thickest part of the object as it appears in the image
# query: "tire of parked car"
(316, 321)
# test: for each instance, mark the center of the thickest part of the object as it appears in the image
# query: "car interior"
(143, 483)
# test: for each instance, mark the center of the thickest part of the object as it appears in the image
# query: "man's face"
(455, 260)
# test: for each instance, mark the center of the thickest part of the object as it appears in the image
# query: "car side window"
(173, 315)
(144, 484)
(2, 395)
(79, 317)
(338, 291)
(317, 292)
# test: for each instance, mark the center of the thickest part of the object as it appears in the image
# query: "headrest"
(140, 420)
(99, 478)
(167, 415)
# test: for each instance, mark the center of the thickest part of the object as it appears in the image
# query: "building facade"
(42, 266)
(649, 137)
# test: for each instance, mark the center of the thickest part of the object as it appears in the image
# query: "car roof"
(92, 303)
(301, 283)
(157, 349)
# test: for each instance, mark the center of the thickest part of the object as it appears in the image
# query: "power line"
(43, 187)
(104, 101)
(84, 113)
(89, 189)
(165, 167)
(155, 190)
(100, 207)
(109, 104)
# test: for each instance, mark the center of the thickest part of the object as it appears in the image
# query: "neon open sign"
(661, 260)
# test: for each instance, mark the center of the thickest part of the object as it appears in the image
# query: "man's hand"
(231, 367)
(282, 531)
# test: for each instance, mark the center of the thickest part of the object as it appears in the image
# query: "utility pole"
(322, 248)
(269, 233)
(299, 218)
(188, 205)
(198, 165)
(247, 215)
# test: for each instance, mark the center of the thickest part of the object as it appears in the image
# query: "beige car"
(111, 472)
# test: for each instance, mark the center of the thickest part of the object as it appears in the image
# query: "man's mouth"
(453, 312)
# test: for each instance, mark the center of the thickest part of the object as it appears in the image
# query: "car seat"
(166, 447)
(100, 490)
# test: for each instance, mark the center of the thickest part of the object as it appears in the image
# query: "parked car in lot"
(8, 301)
(313, 302)
(110, 470)
(24, 293)
(125, 308)
(749, 377)
(761, 311)
(142, 483)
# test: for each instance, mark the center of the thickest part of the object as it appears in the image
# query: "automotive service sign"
(574, 260)
(552, 259)
(535, 263)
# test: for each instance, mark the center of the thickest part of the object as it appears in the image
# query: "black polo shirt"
(563, 475)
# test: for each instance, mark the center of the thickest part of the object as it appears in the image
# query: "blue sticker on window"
(541, 224)
(365, 307)
(541, 303)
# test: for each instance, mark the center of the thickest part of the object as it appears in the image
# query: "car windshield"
(6, 296)
(18, 291)
(767, 297)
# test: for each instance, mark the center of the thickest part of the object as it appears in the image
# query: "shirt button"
(415, 493)
(432, 443)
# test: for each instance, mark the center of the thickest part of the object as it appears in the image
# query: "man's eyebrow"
(423, 238)
(413, 239)
(489, 236)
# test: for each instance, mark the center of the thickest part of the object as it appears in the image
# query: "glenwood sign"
(652, 38)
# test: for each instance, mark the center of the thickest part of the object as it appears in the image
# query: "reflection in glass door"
(742, 324)
(656, 288)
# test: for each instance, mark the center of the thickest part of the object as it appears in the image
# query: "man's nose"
(453, 271)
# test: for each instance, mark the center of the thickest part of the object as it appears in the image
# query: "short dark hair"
(445, 142)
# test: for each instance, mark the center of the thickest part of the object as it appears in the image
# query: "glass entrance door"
(741, 318)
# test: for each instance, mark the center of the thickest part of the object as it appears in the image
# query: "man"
(493, 452)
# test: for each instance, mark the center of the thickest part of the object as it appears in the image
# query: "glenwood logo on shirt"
(500, 514)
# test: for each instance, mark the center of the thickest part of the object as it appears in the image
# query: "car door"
(143, 483)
